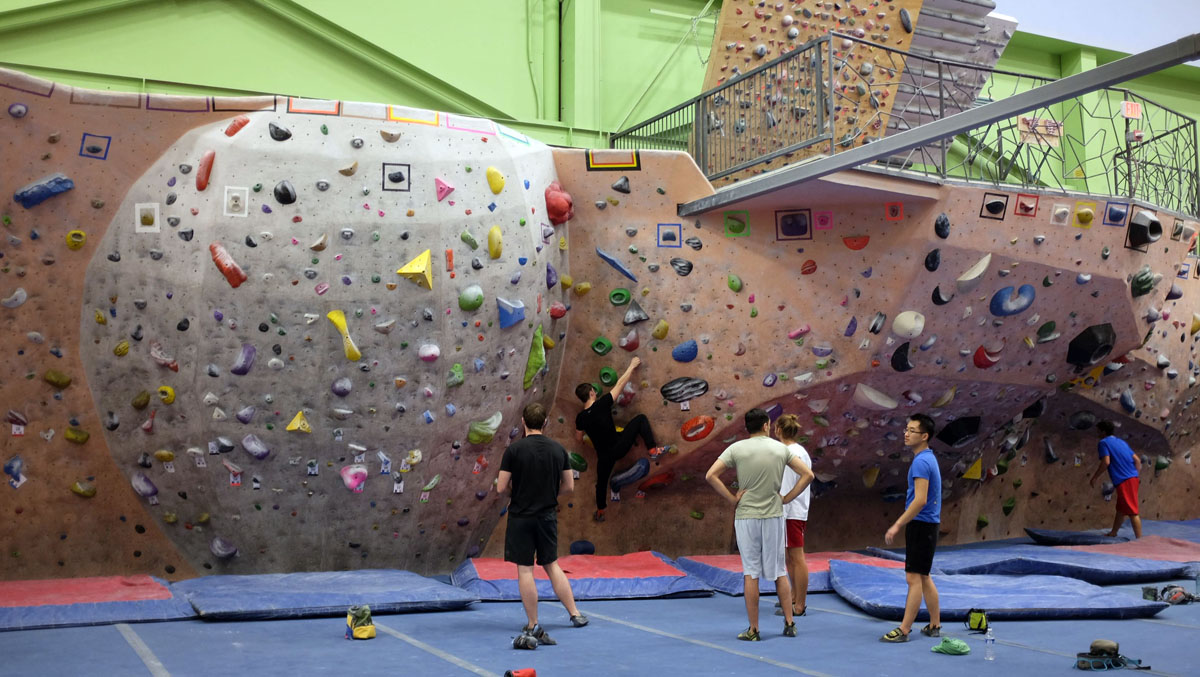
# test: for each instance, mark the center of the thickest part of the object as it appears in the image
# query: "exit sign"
(1131, 110)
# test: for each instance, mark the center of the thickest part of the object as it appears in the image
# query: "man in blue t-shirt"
(1123, 466)
(921, 517)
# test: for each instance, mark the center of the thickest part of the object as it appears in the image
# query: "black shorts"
(920, 540)
(526, 536)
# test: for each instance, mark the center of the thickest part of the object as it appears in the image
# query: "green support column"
(1077, 124)
(551, 60)
(580, 106)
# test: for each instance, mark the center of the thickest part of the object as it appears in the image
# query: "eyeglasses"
(918, 431)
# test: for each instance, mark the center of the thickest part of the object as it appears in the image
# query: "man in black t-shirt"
(596, 420)
(538, 471)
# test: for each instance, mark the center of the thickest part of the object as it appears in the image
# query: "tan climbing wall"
(297, 336)
(853, 312)
(761, 116)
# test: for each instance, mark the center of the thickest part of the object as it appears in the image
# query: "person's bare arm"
(579, 436)
(621, 382)
(1104, 466)
(567, 484)
(503, 481)
(920, 496)
(1137, 462)
(806, 478)
(714, 478)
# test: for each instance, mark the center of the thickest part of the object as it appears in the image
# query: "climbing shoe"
(525, 640)
(657, 452)
(932, 630)
(749, 635)
(895, 635)
(541, 636)
(789, 629)
(598, 516)
(579, 620)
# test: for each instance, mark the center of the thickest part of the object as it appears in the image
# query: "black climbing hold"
(169, 569)
(1081, 420)
(251, 242)
(1091, 345)
(938, 299)
(171, 198)
(933, 259)
(669, 236)
(285, 194)
(115, 257)
(631, 232)
(653, 267)
(137, 333)
(139, 528)
(212, 370)
(683, 389)
(264, 327)
(182, 494)
(1035, 410)
(310, 273)
(694, 242)
(906, 20)
(140, 304)
(111, 421)
(960, 432)
(224, 445)
(877, 323)
(941, 226)
(995, 205)
(186, 234)
(156, 254)
(681, 266)
(322, 186)
(185, 169)
(277, 349)
(173, 221)
(396, 176)
(621, 185)
(427, 314)
(145, 462)
(1048, 446)
(183, 324)
(279, 132)
(95, 150)
(476, 264)
(900, 361)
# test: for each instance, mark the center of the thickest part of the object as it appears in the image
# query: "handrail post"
(829, 119)
(941, 114)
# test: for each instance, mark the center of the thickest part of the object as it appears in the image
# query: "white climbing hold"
(15, 300)
(869, 398)
(974, 274)
(908, 324)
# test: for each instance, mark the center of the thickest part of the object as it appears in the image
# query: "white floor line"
(1171, 623)
(707, 645)
(155, 666)
(449, 658)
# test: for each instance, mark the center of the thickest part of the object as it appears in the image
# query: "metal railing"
(1088, 144)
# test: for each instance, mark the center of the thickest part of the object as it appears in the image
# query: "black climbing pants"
(638, 426)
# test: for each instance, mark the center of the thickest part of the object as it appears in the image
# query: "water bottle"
(989, 645)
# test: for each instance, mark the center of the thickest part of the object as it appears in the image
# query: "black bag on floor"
(1105, 654)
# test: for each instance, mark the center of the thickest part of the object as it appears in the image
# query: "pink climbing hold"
(630, 341)
(799, 331)
(443, 189)
(354, 477)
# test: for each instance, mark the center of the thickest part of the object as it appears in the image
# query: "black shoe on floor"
(579, 620)
(789, 629)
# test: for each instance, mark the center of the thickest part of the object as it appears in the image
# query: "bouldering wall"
(272, 334)
(1016, 320)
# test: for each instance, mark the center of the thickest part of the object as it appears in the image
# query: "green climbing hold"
(469, 239)
(981, 521)
(661, 191)
(1046, 281)
(141, 400)
(432, 484)
(375, 279)
(1017, 483)
(734, 282)
(1161, 463)
(696, 515)
(482, 432)
(1008, 505)
(325, 129)
(470, 298)
(821, 421)
(537, 357)
(455, 378)
(1104, 253)
(619, 296)
(257, 188)
(1001, 466)
(601, 345)
(578, 463)
(753, 312)
(608, 376)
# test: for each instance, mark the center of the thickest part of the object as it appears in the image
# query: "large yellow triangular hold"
(1195, 322)
(975, 472)
(419, 270)
(299, 423)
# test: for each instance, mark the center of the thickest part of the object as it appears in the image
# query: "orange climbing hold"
(236, 125)
(697, 428)
(856, 242)
(659, 481)
(205, 169)
(225, 263)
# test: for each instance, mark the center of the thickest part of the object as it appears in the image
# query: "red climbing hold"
(236, 125)
(559, 205)
(557, 310)
(225, 263)
(205, 169)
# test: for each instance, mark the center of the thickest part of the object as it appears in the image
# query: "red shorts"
(795, 533)
(1127, 497)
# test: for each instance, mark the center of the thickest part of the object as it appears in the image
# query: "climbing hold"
(697, 428)
(299, 423)
(686, 351)
(76, 435)
(630, 341)
(960, 432)
(682, 266)
(354, 476)
(1046, 333)
(455, 377)
(968, 280)
(1091, 345)
(635, 314)
(933, 259)
(660, 330)
(495, 244)
(57, 378)
(734, 282)
(229, 268)
(14, 300)
(1143, 281)
(349, 169)
(495, 179)
(279, 132)
(986, 359)
(443, 188)
(851, 327)
(683, 389)
(601, 345)
(1009, 301)
(33, 194)
(551, 276)
(482, 432)
(620, 267)
(1175, 292)
(338, 318)
(619, 296)
(557, 310)
(559, 205)
(285, 194)
(975, 472)
(76, 239)
(941, 226)
(1127, 401)
(166, 394)
(83, 489)
(900, 358)
(428, 352)
(908, 324)
(469, 239)
(940, 299)
(608, 376)
(537, 357)
(419, 270)
(511, 312)
(582, 288)
(470, 298)
(869, 398)
(255, 447)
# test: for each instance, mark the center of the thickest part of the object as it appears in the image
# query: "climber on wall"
(1123, 466)
(611, 446)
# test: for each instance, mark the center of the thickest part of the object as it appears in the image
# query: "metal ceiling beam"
(1137, 65)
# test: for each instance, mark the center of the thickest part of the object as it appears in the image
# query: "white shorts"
(761, 544)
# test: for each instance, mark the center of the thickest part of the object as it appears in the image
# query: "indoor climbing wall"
(267, 334)
(762, 115)
(1016, 320)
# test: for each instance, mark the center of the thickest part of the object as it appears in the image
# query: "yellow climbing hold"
(869, 476)
(562, 243)
(583, 288)
(121, 349)
(203, 518)
(338, 318)
(84, 489)
(101, 319)
(566, 281)
(76, 239)
(170, 517)
(1195, 322)
(164, 455)
(166, 394)
(299, 422)
(419, 270)
(946, 398)
(660, 330)
(56, 378)
(76, 435)
(975, 472)
(495, 246)
(495, 179)
(547, 342)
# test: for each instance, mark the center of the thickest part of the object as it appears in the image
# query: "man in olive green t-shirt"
(758, 520)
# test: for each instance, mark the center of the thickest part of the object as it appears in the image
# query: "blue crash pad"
(1022, 560)
(643, 574)
(881, 593)
(724, 572)
(330, 593)
(1053, 537)
(31, 605)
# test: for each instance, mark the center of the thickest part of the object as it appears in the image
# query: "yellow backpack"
(358, 623)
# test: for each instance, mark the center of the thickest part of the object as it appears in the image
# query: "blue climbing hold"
(39, 191)
(1127, 402)
(511, 312)
(479, 365)
(1010, 301)
(608, 258)
(634, 473)
(522, 260)
(686, 351)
